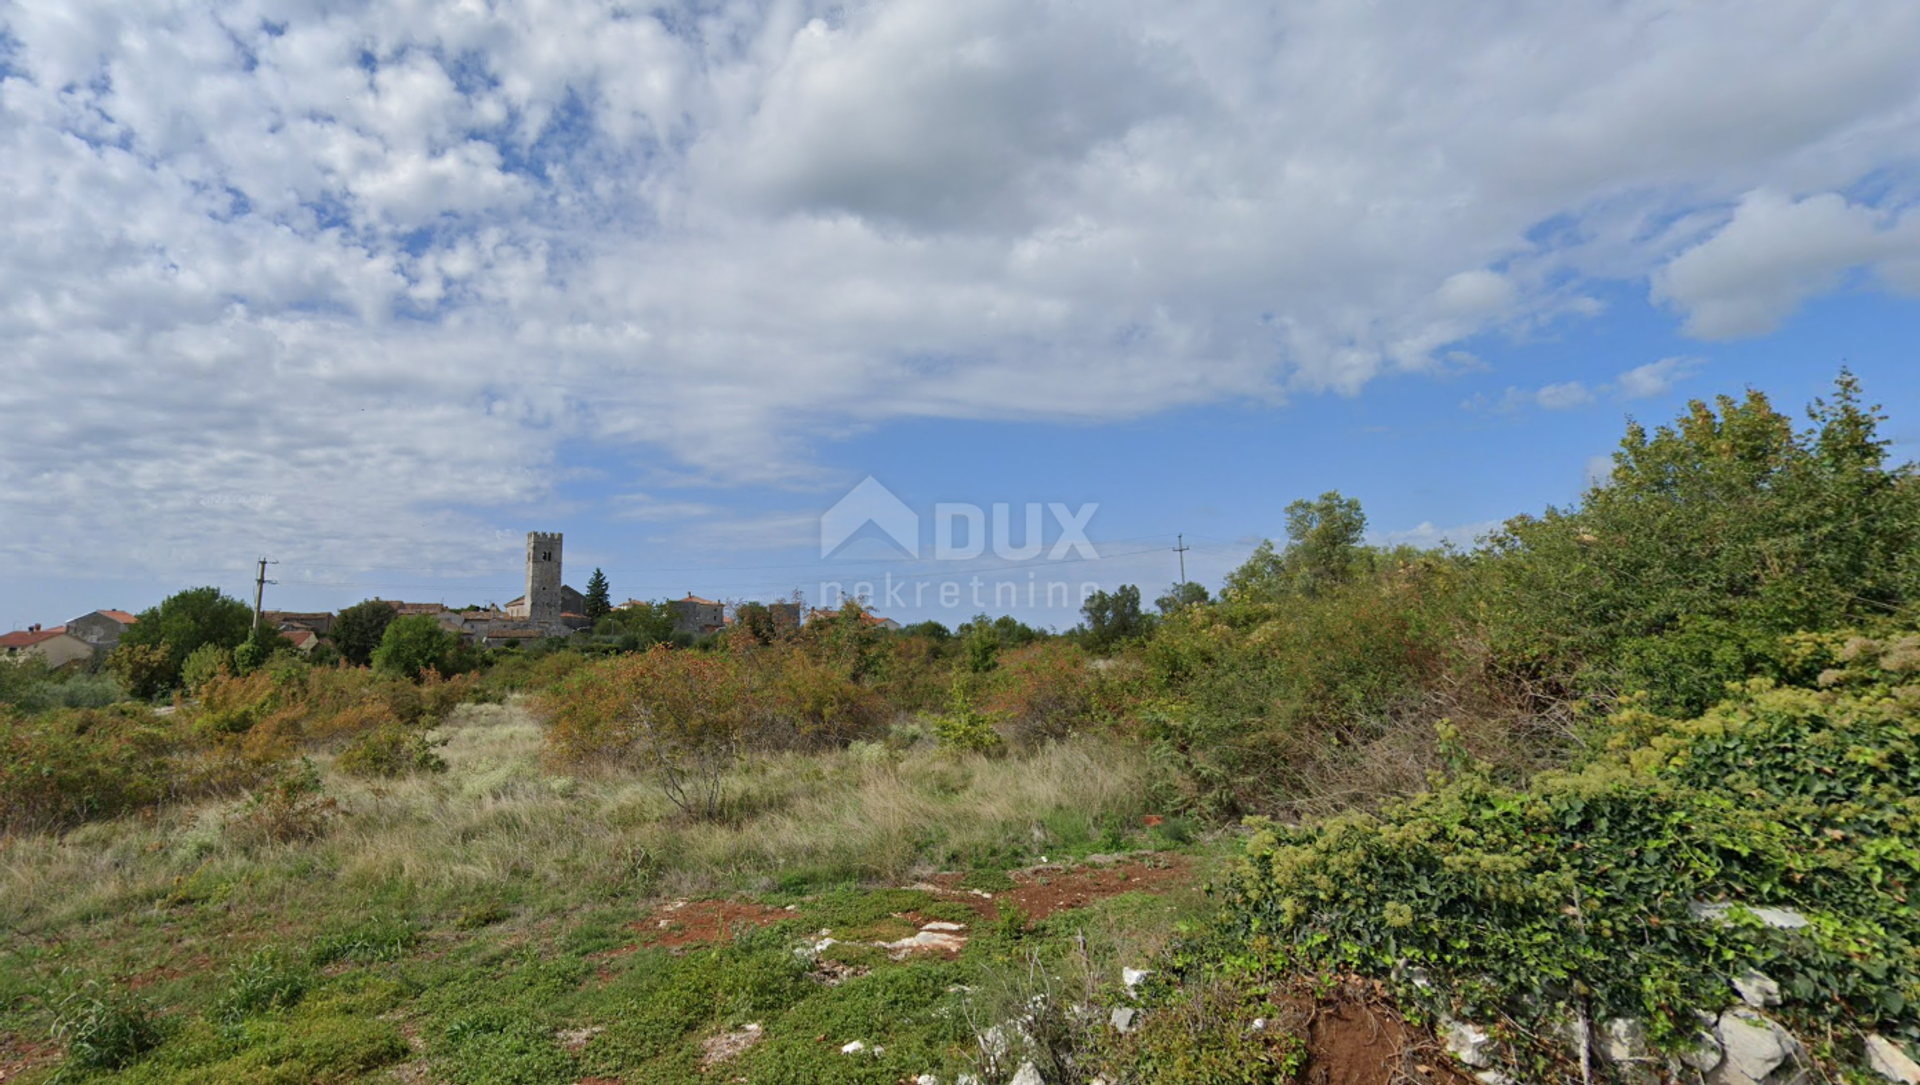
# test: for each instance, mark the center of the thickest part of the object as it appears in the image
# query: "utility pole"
(260, 583)
(1181, 549)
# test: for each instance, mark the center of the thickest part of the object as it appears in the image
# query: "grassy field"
(502, 923)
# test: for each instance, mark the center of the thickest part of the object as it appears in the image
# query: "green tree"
(1323, 551)
(639, 626)
(182, 623)
(357, 631)
(599, 605)
(1711, 539)
(1112, 618)
(1183, 595)
(414, 644)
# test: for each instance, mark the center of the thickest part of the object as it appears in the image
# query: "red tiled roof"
(120, 616)
(27, 638)
(692, 598)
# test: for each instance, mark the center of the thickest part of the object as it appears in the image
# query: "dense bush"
(1580, 896)
(389, 751)
(66, 767)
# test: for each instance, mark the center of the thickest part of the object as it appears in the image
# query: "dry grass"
(498, 820)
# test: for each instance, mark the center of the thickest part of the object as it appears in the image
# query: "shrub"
(68, 766)
(962, 728)
(104, 1027)
(413, 645)
(263, 983)
(292, 805)
(1577, 898)
(1044, 691)
(390, 751)
(682, 715)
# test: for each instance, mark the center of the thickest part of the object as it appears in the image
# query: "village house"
(696, 616)
(55, 646)
(101, 629)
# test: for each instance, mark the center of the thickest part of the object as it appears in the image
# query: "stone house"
(697, 616)
(101, 629)
(56, 646)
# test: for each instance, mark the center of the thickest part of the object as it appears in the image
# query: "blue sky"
(375, 289)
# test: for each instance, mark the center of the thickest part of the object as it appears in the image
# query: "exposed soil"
(681, 924)
(1054, 887)
(17, 1056)
(1358, 1038)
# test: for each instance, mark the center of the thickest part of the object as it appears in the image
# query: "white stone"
(1623, 1040)
(1468, 1042)
(1028, 1074)
(1757, 1050)
(1704, 1053)
(1122, 1019)
(1133, 977)
(1779, 918)
(1494, 1077)
(1890, 1062)
(1756, 990)
(853, 1047)
(926, 1079)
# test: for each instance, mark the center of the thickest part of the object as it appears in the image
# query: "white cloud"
(1775, 253)
(1655, 378)
(1640, 382)
(356, 272)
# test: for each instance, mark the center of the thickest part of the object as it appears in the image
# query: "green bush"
(964, 729)
(69, 766)
(263, 983)
(104, 1028)
(1579, 896)
(391, 751)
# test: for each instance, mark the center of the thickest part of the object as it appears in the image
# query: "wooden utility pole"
(1181, 549)
(260, 583)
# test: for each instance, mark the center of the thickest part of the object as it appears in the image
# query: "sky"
(374, 289)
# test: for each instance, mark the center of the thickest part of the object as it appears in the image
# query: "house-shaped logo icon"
(868, 503)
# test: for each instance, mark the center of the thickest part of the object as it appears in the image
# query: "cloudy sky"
(374, 289)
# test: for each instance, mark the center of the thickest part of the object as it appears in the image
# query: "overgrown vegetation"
(1539, 782)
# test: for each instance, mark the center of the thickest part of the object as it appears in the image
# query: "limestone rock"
(1785, 919)
(1123, 1018)
(1623, 1040)
(1758, 1051)
(1756, 990)
(1028, 1074)
(1468, 1042)
(1890, 1062)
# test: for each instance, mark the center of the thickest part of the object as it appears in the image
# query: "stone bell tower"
(543, 578)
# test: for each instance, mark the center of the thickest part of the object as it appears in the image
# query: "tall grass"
(499, 822)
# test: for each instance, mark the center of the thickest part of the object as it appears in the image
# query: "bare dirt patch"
(1056, 887)
(682, 924)
(17, 1056)
(1357, 1037)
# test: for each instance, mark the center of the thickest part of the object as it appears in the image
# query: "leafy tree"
(358, 630)
(182, 623)
(639, 626)
(1323, 551)
(142, 668)
(598, 604)
(1113, 618)
(1183, 595)
(207, 662)
(1712, 538)
(930, 629)
(413, 645)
